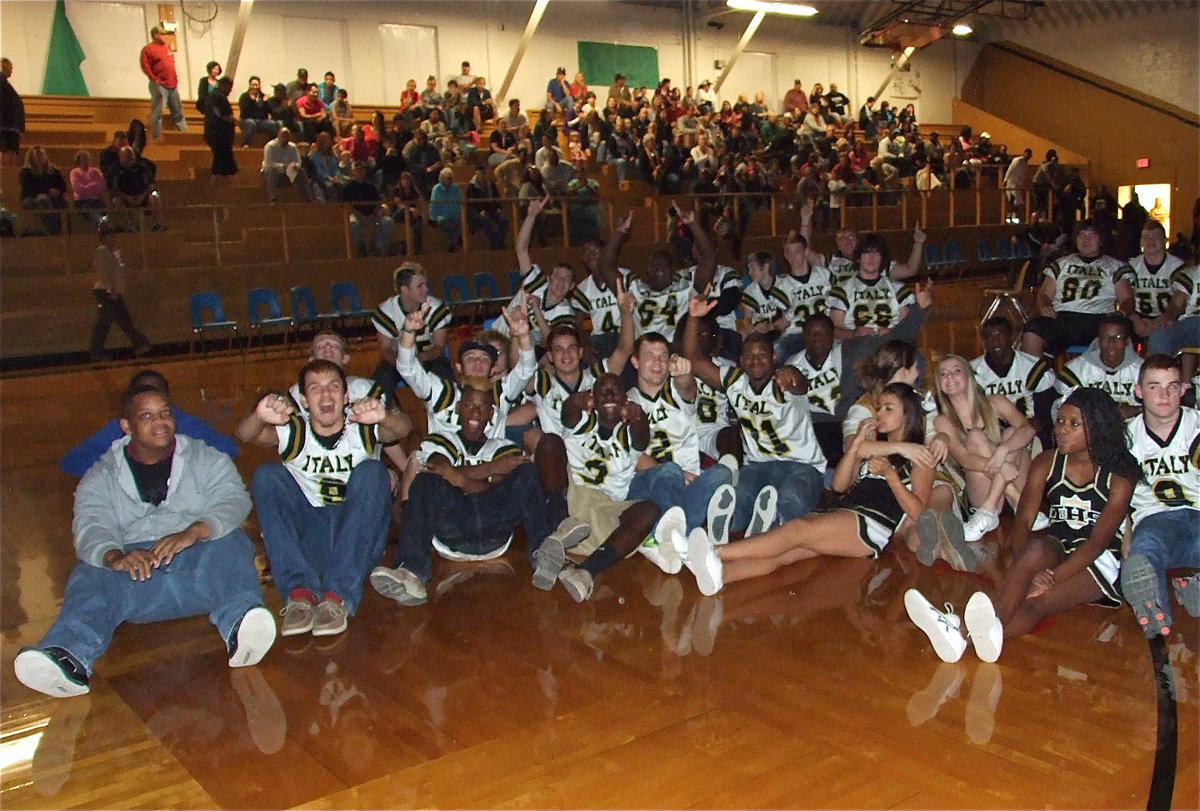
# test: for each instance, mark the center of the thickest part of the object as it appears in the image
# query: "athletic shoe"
(929, 530)
(571, 532)
(297, 618)
(1187, 591)
(547, 563)
(984, 628)
(399, 584)
(330, 618)
(251, 638)
(1139, 584)
(961, 556)
(730, 461)
(941, 688)
(660, 547)
(764, 511)
(578, 582)
(942, 628)
(703, 562)
(720, 513)
(1040, 522)
(979, 524)
(52, 671)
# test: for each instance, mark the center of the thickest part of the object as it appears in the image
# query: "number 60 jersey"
(1171, 468)
(1087, 285)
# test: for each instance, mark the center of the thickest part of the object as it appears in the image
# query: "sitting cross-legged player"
(472, 492)
(157, 532)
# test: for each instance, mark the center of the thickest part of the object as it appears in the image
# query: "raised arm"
(906, 270)
(258, 427)
(626, 304)
(390, 426)
(706, 260)
(535, 208)
(612, 249)
(702, 367)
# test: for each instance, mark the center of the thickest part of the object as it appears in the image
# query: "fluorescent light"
(791, 9)
(961, 30)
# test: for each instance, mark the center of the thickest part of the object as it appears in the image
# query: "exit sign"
(1143, 163)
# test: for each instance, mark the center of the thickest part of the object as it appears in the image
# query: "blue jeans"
(215, 577)
(471, 524)
(1183, 333)
(1168, 540)
(159, 96)
(799, 487)
(662, 484)
(622, 168)
(330, 548)
(383, 225)
(451, 227)
(253, 125)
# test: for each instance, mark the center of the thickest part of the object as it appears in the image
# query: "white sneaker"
(399, 584)
(255, 636)
(1040, 522)
(704, 563)
(987, 634)
(659, 549)
(720, 513)
(548, 562)
(979, 524)
(942, 628)
(730, 461)
(764, 511)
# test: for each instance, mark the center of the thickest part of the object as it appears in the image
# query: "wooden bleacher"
(231, 241)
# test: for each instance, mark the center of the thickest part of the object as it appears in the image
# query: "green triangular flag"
(63, 76)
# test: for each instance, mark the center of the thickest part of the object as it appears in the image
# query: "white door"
(409, 52)
(752, 72)
(112, 36)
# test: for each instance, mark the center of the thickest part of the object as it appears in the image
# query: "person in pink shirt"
(88, 188)
(158, 63)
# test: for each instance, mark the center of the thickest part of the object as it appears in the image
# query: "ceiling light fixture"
(961, 30)
(790, 9)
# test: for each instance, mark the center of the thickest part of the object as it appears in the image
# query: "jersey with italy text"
(1025, 377)
(1087, 285)
(1087, 371)
(322, 465)
(874, 303)
(660, 310)
(775, 424)
(599, 459)
(673, 435)
(1171, 467)
(824, 379)
(806, 295)
(763, 305)
(441, 396)
(1152, 285)
(600, 303)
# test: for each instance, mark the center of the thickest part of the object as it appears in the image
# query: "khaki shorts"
(597, 509)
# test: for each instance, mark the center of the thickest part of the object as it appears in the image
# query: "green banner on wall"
(600, 62)
(63, 76)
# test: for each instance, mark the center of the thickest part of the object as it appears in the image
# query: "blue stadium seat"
(258, 300)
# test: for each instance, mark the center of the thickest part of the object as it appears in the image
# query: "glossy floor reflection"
(808, 688)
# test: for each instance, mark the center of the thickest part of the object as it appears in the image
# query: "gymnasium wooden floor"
(807, 689)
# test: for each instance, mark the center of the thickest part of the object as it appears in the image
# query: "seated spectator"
(545, 127)
(79, 459)
(410, 102)
(503, 143)
(357, 145)
(110, 157)
(133, 186)
(281, 167)
(621, 149)
(484, 210)
(510, 173)
(88, 188)
(557, 174)
(328, 181)
(1078, 290)
(580, 156)
(408, 212)
(327, 90)
(342, 113)
(541, 158)
(445, 208)
(431, 98)
(43, 187)
(480, 106)
(1025, 380)
(254, 111)
(583, 201)
(454, 105)
(423, 161)
(558, 93)
(298, 86)
(313, 116)
(368, 211)
(435, 128)
(1151, 280)
(282, 109)
(150, 552)
(325, 507)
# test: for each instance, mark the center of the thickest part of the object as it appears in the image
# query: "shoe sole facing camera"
(37, 671)
(574, 533)
(389, 584)
(1139, 584)
(765, 506)
(255, 636)
(928, 530)
(947, 642)
(579, 586)
(548, 562)
(704, 563)
(720, 513)
(958, 553)
(668, 534)
(987, 635)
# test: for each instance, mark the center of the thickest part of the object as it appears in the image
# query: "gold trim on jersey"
(295, 441)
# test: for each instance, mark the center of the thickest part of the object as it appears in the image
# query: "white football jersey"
(1152, 286)
(673, 436)
(1025, 377)
(606, 463)
(389, 320)
(806, 296)
(456, 450)
(712, 411)
(1086, 370)
(549, 394)
(775, 423)
(600, 303)
(1171, 468)
(535, 284)
(660, 310)
(761, 305)
(726, 278)
(875, 303)
(824, 381)
(322, 468)
(1187, 281)
(441, 396)
(1087, 286)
